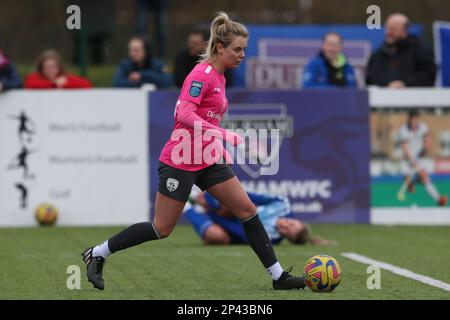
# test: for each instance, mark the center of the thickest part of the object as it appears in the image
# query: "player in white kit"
(414, 137)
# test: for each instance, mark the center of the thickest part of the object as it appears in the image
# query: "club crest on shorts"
(196, 88)
(172, 184)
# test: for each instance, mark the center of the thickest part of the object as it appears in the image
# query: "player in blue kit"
(215, 224)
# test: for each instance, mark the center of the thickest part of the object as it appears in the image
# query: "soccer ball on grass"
(322, 273)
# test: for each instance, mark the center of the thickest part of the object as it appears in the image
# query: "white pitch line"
(400, 271)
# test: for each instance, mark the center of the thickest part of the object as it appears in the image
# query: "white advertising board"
(84, 151)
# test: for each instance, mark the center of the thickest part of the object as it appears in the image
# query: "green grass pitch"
(34, 263)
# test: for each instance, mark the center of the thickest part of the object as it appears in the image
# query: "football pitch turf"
(34, 263)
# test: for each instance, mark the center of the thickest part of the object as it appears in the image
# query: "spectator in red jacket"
(50, 74)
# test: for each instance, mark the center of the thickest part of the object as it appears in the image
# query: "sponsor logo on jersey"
(214, 115)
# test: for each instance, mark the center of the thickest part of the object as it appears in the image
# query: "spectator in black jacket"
(403, 60)
(141, 68)
(9, 78)
(187, 58)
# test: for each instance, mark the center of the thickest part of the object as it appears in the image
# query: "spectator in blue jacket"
(9, 78)
(329, 68)
(141, 68)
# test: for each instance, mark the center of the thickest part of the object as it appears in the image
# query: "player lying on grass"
(215, 224)
(414, 138)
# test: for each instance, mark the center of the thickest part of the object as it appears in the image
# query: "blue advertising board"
(323, 155)
(441, 31)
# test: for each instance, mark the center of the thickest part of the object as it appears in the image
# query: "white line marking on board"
(397, 270)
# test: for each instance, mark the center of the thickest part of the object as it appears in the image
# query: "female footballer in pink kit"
(184, 161)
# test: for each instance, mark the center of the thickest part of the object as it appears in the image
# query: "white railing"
(409, 97)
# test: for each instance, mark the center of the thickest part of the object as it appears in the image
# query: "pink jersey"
(205, 87)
